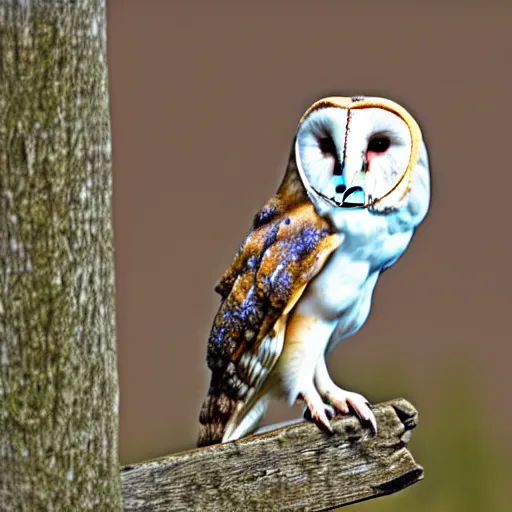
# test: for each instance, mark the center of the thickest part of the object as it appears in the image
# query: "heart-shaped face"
(357, 153)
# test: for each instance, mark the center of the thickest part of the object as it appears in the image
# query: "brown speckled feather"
(287, 245)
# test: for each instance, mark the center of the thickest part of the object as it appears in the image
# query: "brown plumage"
(286, 247)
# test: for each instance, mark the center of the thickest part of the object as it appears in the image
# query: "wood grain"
(296, 468)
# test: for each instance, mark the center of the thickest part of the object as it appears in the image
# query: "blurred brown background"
(205, 100)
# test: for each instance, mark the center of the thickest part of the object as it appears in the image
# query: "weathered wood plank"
(293, 468)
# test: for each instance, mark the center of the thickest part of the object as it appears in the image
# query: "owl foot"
(345, 401)
(342, 400)
(316, 411)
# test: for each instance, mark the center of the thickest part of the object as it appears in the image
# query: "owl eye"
(327, 146)
(378, 145)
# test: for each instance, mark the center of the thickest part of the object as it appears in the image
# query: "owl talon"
(317, 412)
(346, 402)
(342, 400)
(319, 419)
(330, 413)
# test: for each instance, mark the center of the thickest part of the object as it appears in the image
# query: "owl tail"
(223, 418)
(215, 413)
(218, 408)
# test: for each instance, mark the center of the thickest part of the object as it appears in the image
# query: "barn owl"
(356, 187)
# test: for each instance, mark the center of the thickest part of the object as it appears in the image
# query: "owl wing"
(285, 249)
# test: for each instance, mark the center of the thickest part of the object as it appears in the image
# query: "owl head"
(362, 153)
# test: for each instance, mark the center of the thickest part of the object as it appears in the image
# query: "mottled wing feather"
(278, 260)
(256, 362)
(268, 275)
(290, 195)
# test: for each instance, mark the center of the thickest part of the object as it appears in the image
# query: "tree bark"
(58, 375)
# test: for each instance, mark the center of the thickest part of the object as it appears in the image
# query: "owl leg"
(296, 366)
(341, 399)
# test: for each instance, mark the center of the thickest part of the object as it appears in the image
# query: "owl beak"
(354, 197)
(349, 195)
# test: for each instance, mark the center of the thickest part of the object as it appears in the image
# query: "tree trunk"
(58, 375)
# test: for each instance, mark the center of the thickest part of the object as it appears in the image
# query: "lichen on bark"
(58, 375)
